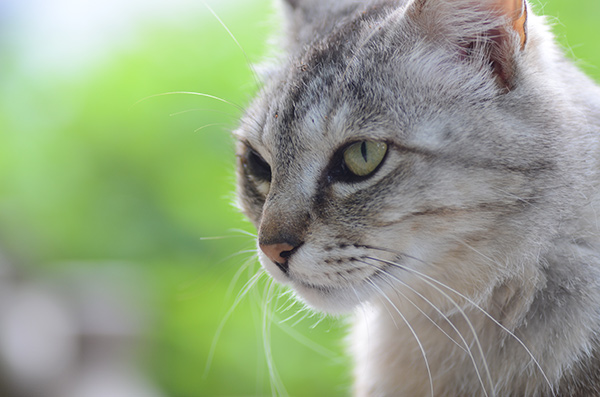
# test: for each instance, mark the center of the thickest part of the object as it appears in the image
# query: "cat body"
(432, 165)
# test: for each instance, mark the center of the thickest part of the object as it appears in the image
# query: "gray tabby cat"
(433, 163)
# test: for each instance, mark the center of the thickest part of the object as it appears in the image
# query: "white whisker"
(174, 114)
(287, 319)
(421, 310)
(245, 233)
(208, 126)
(249, 64)
(216, 238)
(289, 305)
(466, 349)
(317, 348)
(490, 260)
(277, 386)
(253, 258)
(411, 330)
(461, 311)
(319, 321)
(246, 265)
(306, 315)
(211, 353)
(216, 98)
(470, 301)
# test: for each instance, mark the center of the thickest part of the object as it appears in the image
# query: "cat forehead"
(328, 93)
(369, 76)
(323, 126)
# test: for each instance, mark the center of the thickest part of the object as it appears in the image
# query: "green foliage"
(90, 173)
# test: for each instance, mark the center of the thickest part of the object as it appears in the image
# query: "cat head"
(404, 142)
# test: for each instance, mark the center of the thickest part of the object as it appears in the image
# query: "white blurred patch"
(75, 335)
(68, 37)
(37, 342)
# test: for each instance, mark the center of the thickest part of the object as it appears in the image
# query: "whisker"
(216, 98)
(317, 348)
(411, 330)
(245, 232)
(467, 348)
(208, 126)
(296, 313)
(526, 200)
(202, 110)
(319, 321)
(247, 287)
(289, 305)
(470, 301)
(246, 265)
(266, 335)
(277, 386)
(364, 312)
(490, 260)
(250, 251)
(254, 74)
(461, 311)
(419, 309)
(256, 313)
(217, 238)
(252, 258)
(306, 315)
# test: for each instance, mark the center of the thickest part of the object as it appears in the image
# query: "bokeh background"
(125, 270)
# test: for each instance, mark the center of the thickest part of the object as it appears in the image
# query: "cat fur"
(485, 206)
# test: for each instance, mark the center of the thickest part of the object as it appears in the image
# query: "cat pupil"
(363, 151)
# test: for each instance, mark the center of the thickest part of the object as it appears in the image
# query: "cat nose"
(279, 253)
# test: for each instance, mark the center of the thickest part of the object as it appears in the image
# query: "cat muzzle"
(279, 254)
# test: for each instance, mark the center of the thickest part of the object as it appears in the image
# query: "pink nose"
(278, 253)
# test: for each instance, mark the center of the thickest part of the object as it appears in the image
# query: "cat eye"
(363, 158)
(257, 166)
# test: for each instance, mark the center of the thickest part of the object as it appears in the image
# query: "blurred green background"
(92, 178)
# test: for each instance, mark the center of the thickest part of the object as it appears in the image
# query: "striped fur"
(473, 250)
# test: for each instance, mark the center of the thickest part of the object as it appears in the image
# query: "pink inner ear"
(499, 46)
(512, 8)
(520, 25)
(502, 52)
(516, 10)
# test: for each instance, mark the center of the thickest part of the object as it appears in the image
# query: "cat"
(432, 166)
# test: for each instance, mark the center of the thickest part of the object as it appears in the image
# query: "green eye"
(362, 158)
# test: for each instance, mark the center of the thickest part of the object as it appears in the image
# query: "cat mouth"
(282, 266)
(337, 289)
(337, 284)
(335, 299)
(348, 286)
(321, 288)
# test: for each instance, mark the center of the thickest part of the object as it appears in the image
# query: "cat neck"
(544, 326)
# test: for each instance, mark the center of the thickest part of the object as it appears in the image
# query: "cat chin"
(331, 301)
(326, 300)
(335, 301)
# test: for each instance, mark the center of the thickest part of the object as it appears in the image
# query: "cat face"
(396, 149)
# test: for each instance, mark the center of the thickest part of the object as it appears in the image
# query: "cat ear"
(502, 51)
(496, 27)
(516, 11)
